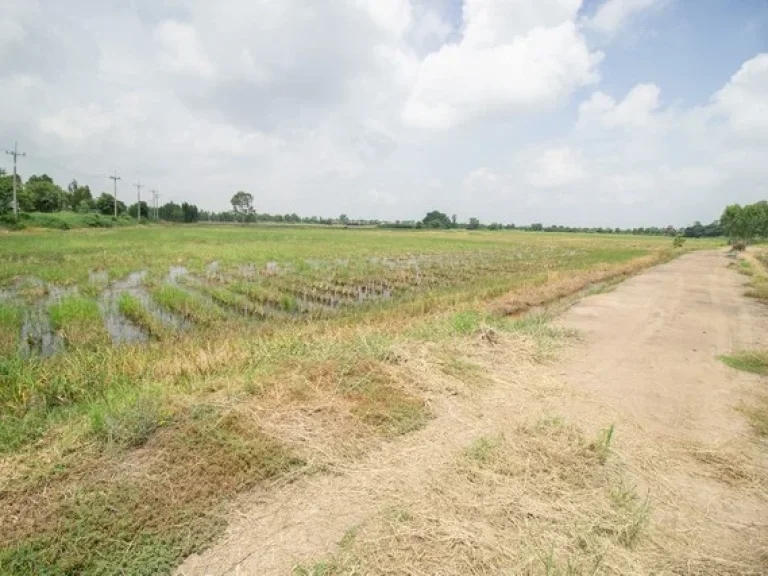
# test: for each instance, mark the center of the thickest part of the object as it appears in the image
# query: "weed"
(186, 304)
(10, 326)
(79, 321)
(602, 446)
(133, 308)
(129, 419)
(750, 361)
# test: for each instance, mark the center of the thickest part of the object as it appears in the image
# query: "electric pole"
(115, 178)
(156, 203)
(15, 153)
(139, 186)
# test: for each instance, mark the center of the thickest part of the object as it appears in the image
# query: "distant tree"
(344, 219)
(741, 223)
(242, 203)
(190, 212)
(44, 195)
(105, 204)
(79, 194)
(453, 221)
(537, 227)
(436, 219)
(133, 209)
(474, 224)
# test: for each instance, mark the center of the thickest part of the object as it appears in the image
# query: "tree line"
(41, 194)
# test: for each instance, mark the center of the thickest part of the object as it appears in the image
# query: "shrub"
(678, 242)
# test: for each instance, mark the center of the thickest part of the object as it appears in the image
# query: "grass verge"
(755, 362)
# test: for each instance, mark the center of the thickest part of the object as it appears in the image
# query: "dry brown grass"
(535, 501)
(560, 285)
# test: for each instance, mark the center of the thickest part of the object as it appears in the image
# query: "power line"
(15, 153)
(139, 186)
(114, 179)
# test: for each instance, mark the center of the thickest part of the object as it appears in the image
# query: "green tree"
(242, 203)
(133, 209)
(105, 204)
(44, 194)
(436, 219)
(474, 224)
(78, 195)
(739, 223)
(344, 219)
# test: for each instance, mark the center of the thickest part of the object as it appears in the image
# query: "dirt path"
(646, 361)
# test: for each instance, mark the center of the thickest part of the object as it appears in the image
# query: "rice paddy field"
(150, 375)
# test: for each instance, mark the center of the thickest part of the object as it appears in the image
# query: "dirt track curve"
(645, 359)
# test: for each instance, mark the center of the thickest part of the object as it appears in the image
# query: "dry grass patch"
(101, 520)
(539, 501)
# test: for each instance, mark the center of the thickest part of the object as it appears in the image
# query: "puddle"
(272, 267)
(176, 272)
(247, 271)
(37, 335)
(133, 280)
(120, 329)
(98, 276)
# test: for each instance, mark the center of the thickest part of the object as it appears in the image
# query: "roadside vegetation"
(122, 458)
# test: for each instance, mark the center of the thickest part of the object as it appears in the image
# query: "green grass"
(756, 411)
(79, 320)
(754, 361)
(10, 326)
(186, 304)
(133, 308)
(69, 220)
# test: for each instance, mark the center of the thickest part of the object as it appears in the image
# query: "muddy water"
(37, 335)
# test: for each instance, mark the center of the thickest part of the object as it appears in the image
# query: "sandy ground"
(645, 360)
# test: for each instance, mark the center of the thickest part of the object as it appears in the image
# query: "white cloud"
(182, 51)
(321, 108)
(556, 168)
(612, 15)
(513, 57)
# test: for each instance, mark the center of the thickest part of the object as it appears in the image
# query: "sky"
(585, 113)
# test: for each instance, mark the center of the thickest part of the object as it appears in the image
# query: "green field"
(141, 361)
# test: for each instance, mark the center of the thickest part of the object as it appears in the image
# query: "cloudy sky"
(594, 112)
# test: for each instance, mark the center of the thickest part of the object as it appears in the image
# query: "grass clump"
(754, 361)
(129, 419)
(133, 308)
(10, 327)
(187, 305)
(79, 321)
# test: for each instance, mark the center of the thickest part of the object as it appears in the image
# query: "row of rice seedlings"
(190, 306)
(134, 310)
(225, 297)
(10, 328)
(79, 321)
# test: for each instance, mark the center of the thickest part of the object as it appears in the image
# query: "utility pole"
(156, 203)
(15, 153)
(115, 178)
(139, 186)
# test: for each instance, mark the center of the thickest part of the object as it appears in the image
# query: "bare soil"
(644, 361)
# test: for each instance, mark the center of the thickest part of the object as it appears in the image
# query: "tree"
(44, 195)
(79, 195)
(133, 209)
(105, 204)
(190, 213)
(538, 227)
(242, 203)
(474, 224)
(436, 219)
(344, 219)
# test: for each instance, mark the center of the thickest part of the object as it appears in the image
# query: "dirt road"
(646, 361)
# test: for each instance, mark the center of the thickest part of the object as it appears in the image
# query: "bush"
(678, 242)
(739, 246)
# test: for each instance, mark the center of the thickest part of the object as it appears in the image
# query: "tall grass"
(79, 321)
